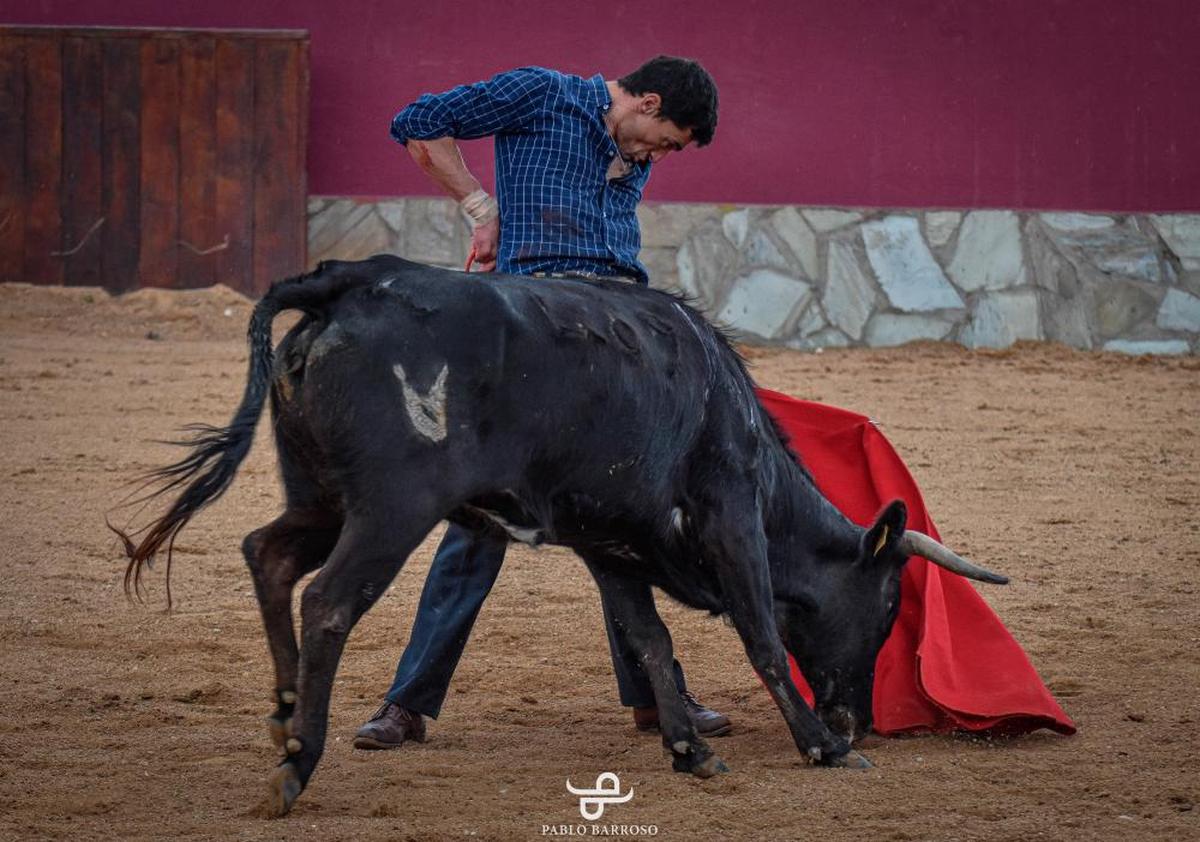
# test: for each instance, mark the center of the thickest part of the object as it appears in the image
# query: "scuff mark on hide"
(677, 519)
(625, 335)
(525, 534)
(664, 330)
(390, 286)
(569, 322)
(710, 353)
(426, 411)
(330, 339)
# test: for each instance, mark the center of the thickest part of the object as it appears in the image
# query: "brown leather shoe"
(391, 727)
(708, 722)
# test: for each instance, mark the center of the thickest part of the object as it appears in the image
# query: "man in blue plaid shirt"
(572, 158)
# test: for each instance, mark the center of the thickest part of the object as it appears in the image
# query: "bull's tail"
(217, 452)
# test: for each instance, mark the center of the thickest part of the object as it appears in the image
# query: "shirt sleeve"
(507, 102)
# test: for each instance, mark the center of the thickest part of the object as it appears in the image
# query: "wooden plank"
(158, 255)
(198, 237)
(122, 162)
(82, 205)
(279, 185)
(235, 162)
(300, 182)
(12, 158)
(43, 158)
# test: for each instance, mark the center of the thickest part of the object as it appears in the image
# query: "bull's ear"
(880, 540)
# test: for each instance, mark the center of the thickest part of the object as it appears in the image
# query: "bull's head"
(838, 619)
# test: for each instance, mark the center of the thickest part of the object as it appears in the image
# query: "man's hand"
(485, 240)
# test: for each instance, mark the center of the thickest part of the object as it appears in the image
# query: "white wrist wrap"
(480, 208)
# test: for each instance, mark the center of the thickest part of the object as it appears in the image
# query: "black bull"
(600, 416)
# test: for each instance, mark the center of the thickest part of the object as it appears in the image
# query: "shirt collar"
(603, 100)
(599, 89)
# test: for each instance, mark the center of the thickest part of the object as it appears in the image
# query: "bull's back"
(510, 381)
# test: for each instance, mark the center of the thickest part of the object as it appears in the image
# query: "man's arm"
(428, 127)
(442, 161)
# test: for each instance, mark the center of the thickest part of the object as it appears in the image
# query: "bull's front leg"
(737, 548)
(629, 604)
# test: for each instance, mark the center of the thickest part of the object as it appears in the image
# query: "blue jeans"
(462, 575)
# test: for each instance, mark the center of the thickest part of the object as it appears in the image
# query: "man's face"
(645, 136)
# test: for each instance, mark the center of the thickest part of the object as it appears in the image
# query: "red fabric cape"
(949, 664)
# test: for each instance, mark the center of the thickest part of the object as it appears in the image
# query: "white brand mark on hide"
(428, 411)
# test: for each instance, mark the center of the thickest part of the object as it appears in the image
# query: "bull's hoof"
(710, 767)
(849, 760)
(696, 758)
(283, 788)
(280, 729)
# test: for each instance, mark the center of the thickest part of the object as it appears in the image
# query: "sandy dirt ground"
(1074, 473)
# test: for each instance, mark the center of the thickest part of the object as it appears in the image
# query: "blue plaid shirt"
(559, 211)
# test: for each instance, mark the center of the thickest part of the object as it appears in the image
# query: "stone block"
(1181, 233)
(1179, 311)
(1190, 281)
(1147, 346)
(1120, 306)
(888, 329)
(824, 220)
(765, 303)
(1050, 269)
(760, 250)
(668, 224)
(1066, 303)
(910, 277)
(1077, 221)
(736, 225)
(812, 320)
(989, 254)
(661, 265)
(1113, 250)
(940, 226)
(849, 294)
(790, 226)
(999, 319)
(705, 265)
(1067, 320)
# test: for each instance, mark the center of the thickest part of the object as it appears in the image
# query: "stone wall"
(822, 277)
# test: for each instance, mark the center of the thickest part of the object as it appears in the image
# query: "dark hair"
(689, 95)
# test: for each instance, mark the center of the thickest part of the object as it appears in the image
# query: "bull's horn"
(917, 543)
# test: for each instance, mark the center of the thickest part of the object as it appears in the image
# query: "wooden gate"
(165, 158)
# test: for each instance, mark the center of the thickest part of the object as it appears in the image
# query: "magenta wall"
(1040, 104)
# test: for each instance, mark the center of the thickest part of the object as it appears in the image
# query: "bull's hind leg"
(369, 553)
(630, 605)
(278, 555)
(737, 547)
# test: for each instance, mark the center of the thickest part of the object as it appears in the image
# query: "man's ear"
(651, 104)
(880, 540)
